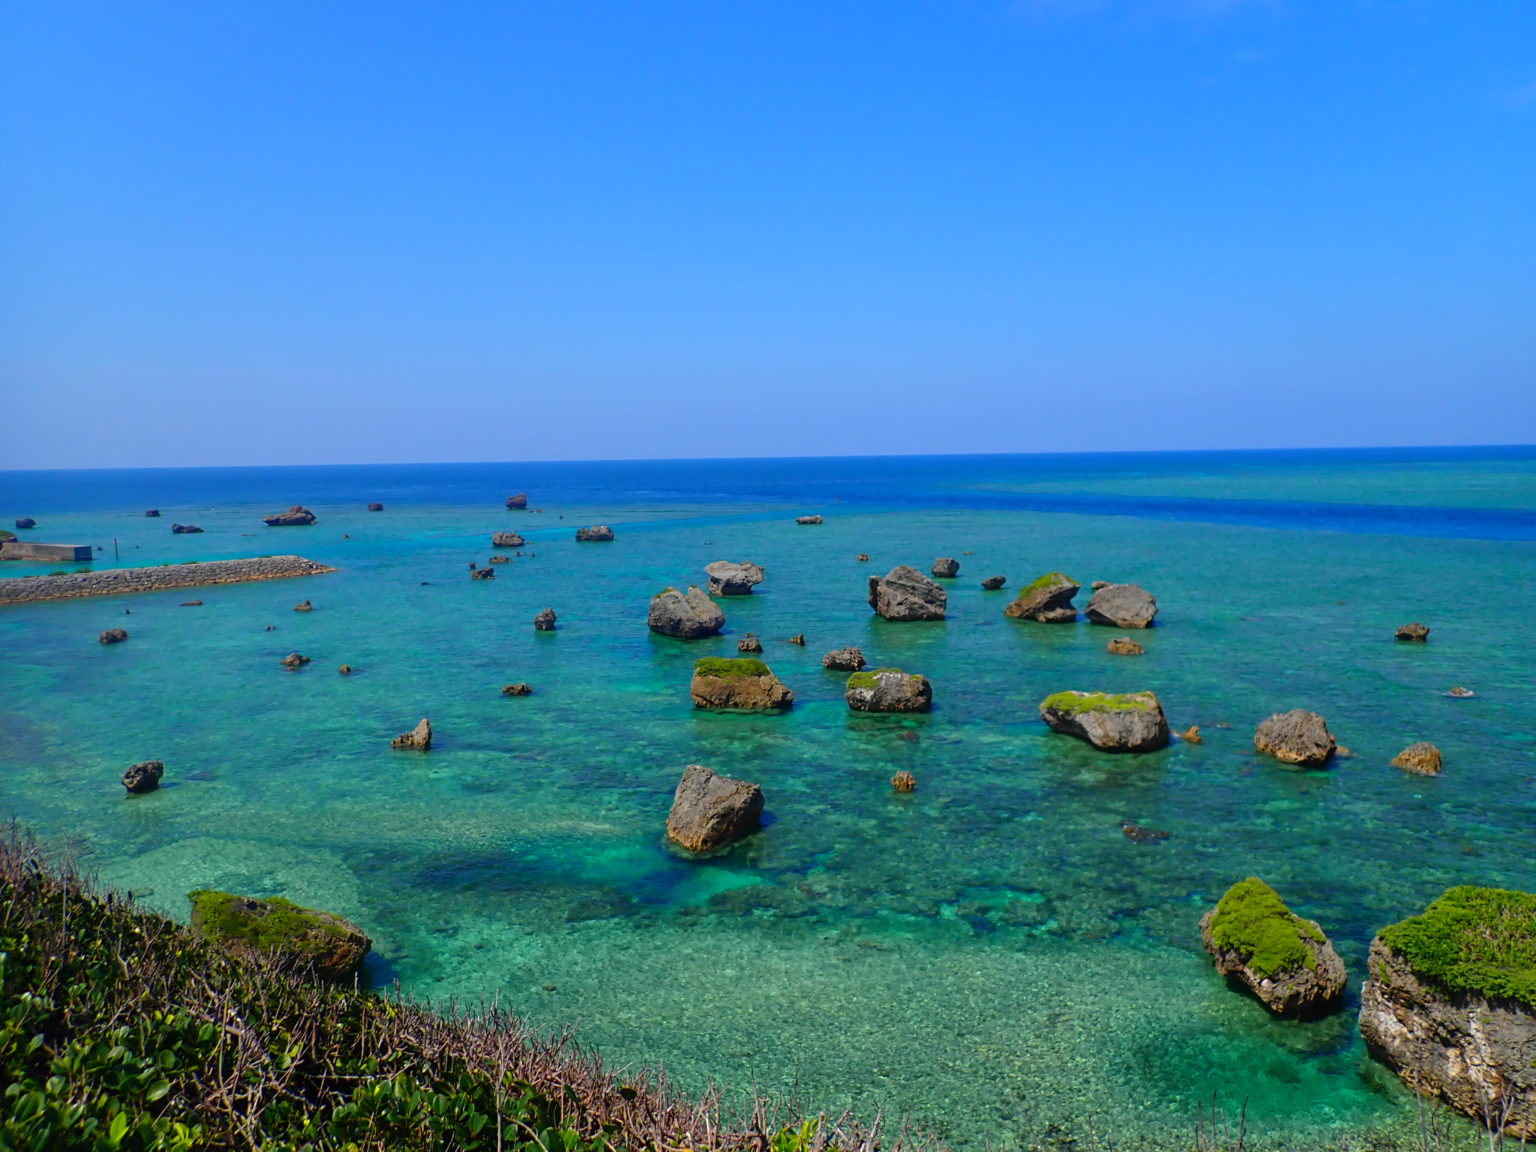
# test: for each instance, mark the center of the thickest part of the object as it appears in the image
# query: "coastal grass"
(123, 1030)
(1049, 580)
(726, 667)
(1253, 921)
(1478, 940)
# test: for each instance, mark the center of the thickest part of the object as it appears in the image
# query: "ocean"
(987, 956)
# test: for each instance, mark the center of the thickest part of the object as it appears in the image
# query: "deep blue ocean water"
(988, 955)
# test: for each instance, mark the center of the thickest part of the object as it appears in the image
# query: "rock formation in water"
(1296, 737)
(518, 689)
(507, 540)
(1121, 606)
(1260, 944)
(1422, 759)
(299, 938)
(295, 516)
(418, 738)
(710, 810)
(945, 568)
(848, 659)
(1046, 600)
(807, 519)
(904, 593)
(689, 615)
(888, 690)
(1415, 633)
(112, 636)
(517, 503)
(1111, 722)
(595, 533)
(293, 661)
(185, 529)
(545, 621)
(375, 506)
(729, 578)
(746, 683)
(904, 782)
(143, 777)
(1123, 646)
(993, 583)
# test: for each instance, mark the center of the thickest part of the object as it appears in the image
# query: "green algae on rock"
(1111, 722)
(1450, 1004)
(742, 683)
(1046, 599)
(1285, 961)
(301, 936)
(888, 690)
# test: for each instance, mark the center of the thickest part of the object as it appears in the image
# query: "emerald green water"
(988, 955)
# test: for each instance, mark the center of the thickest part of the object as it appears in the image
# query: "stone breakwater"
(115, 581)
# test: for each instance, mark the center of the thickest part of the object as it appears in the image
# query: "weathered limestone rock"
(1296, 737)
(518, 689)
(749, 644)
(294, 660)
(506, 540)
(1282, 959)
(1047, 600)
(191, 604)
(1126, 722)
(1449, 1004)
(375, 506)
(1191, 735)
(418, 738)
(993, 583)
(517, 503)
(1123, 646)
(112, 636)
(904, 782)
(295, 515)
(303, 606)
(848, 659)
(300, 938)
(688, 616)
(798, 520)
(888, 690)
(185, 529)
(945, 568)
(545, 620)
(1422, 759)
(728, 578)
(737, 684)
(143, 777)
(344, 669)
(904, 593)
(709, 810)
(498, 560)
(1121, 606)
(798, 639)
(481, 573)
(594, 533)
(1415, 633)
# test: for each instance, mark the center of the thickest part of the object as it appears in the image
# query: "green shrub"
(1254, 922)
(1074, 703)
(1479, 940)
(725, 668)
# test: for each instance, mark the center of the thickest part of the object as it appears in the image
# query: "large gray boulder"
(1260, 944)
(594, 533)
(709, 810)
(849, 659)
(1121, 606)
(506, 540)
(1448, 1004)
(295, 515)
(904, 593)
(728, 578)
(1111, 722)
(945, 568)
(1296, 737)
(888, 690)
(688, 616)
(1046, 600)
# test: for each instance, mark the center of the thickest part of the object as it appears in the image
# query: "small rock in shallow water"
(848, 659)
(545, 620)
(709, 810)
(945, 568)
(518, 689)
(1461, 693)
(798, 638)
(418, 738)
(112, 636)
(303, 606)
(904, 782)
(1139, 835)
(294, 660)
(993, 583)
(1191, 735)
(1415, 633)
(749, 644)
(1123, 646)
(191, 603)
(143, 777)
(345, 669)
(1422, 759)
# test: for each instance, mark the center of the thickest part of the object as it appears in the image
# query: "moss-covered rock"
(1111, 722)
(303, 937)
(888, 690)
(1450, 1004)
(741, 683)
(1046, 599)
(1282, 959)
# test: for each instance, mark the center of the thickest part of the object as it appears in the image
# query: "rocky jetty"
(848, 659)
(798, 520)
(1047, 600)
(1260, 944)
(300, 938)
(888, 690)
(1413, 633)
(904, 593)
(1296, 737)
(517, 503)
(945, 568)
(710, 810)
(152, 512)
(185, 529)
(594, 533)
(518, 689)
(729, 578)
(1111, 722)
(1124, 646)
(993, 583)
(1449, 1003)
(112, 636)
(545, 621)
(375, 506)
(1121, 606)
(689, 615)
(116, 581)
(294, 661)
(903, 782)
(507, 540)
(294, 517)
(143, 777)
(418, 738)
(721, 683)
(1422, 759)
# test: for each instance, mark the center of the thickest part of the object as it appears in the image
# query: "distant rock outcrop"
(888, 690)
(595, 533)
(295, 516)
(710, 810)
(418, 739)
(303, 606)
(1422, 759)
(1047, 600)
(903, 782)
(993, 583)
(728, 578)
(904, 593)
(185, 529)
(687, 616)
(798, 520)
(1121, 606)
(375, 506)
(848, 659)
(721, 683)
(1123, 646)
(151, 512)
(1415, 633)
(112, 636)
(507, 540)
(1282, 959)
(25, 522)
(1296, 737)
(1111, 722)
(518, 689)
(545, 621)
(749, 644)
(481, 573)
(294, 660)
(945, 568)
(517, 503)
(143, 777)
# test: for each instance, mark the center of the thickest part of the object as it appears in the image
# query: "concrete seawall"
(116, 581)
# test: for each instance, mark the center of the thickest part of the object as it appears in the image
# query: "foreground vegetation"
(121, 1030)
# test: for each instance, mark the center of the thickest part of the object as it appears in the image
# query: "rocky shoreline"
(194, 574)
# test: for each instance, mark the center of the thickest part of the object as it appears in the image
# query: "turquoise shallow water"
(988, 955)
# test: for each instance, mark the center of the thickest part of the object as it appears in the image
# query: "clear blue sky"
(336, 232)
